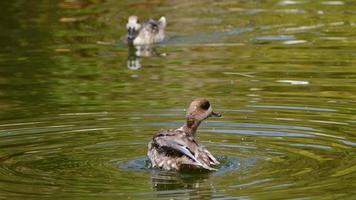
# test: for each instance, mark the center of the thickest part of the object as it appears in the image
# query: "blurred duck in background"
(141, 38)
(146, 33)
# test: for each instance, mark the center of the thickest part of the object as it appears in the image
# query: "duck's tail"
(163, 21)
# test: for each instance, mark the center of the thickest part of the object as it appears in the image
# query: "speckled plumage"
(178, 149)
(147, 33)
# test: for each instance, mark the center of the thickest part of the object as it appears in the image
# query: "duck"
(147, 33)
(178, 149)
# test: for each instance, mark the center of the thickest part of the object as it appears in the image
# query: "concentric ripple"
(68, 153)
(75, 118)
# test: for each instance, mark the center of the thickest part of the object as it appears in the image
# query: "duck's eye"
(205, 105)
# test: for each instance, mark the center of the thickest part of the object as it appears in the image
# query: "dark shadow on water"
(205, 37)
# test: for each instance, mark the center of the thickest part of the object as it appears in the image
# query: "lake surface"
(77, 108)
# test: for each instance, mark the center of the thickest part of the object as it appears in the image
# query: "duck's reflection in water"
(182, 185)
(135, 53)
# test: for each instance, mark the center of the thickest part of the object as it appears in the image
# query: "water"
(77, 110)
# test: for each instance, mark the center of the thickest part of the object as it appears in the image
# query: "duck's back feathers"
(151, 32)
(175, 149)
(153, 26)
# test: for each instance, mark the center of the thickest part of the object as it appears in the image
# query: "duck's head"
(132, 27)
(199, 110)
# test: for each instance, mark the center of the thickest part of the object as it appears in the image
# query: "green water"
(75, 119)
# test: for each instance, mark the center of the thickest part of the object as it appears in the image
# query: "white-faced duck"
(178, 149)
(146, 33)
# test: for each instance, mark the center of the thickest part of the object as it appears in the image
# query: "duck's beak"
(215, 114)
(131, 33)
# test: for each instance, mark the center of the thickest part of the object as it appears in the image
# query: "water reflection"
(136, 52)
(133, 61)
(182, 185)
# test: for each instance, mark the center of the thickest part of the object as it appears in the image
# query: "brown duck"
(178, 149)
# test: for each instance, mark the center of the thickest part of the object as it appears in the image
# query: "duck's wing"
(173, 141)
(212, 159)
